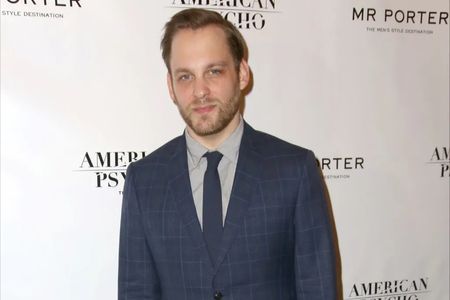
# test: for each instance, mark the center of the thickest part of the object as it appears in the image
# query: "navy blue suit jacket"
(277, 241)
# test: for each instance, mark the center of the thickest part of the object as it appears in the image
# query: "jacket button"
(217, 295)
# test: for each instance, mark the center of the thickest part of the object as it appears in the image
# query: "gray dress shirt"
(227, 168)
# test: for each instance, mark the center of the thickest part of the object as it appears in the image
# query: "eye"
(184, 77)
(214, 71)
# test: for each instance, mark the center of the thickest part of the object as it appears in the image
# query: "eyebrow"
(181, 70)
(215, 64)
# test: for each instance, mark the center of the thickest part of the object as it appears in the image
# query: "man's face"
(203, 80)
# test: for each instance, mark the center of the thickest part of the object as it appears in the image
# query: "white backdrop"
(83, 92)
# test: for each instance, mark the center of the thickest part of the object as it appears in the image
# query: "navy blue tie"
(212, 205)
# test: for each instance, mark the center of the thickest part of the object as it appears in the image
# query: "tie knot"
(213, 159)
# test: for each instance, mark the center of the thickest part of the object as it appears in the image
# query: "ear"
(170, 86)
(244, 74)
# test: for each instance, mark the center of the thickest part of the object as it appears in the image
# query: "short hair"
(195, 18)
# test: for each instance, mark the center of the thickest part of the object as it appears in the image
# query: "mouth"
(204, 109)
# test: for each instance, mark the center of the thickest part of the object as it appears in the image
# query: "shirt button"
(217, 295)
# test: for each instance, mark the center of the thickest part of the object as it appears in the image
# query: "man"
(222, 211)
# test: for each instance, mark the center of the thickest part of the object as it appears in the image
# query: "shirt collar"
(229, 148)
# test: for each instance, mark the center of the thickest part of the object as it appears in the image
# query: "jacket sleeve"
(315, 264)
(138, 279)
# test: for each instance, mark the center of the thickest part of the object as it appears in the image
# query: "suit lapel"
(244, 187)
(180, 188)
(245, 183)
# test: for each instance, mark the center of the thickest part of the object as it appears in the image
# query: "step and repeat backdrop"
(363, 83)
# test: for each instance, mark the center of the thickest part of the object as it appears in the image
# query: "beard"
(209, 124)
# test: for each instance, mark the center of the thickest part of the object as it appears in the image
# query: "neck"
(213, 141)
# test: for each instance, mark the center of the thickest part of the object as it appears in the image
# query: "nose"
(201, 89)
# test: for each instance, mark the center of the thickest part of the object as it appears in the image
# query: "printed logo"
(39, 8)
(403, 289)
(400, 21)
(340, 167)
(440, 157)
(244, 14)
(108, 169)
